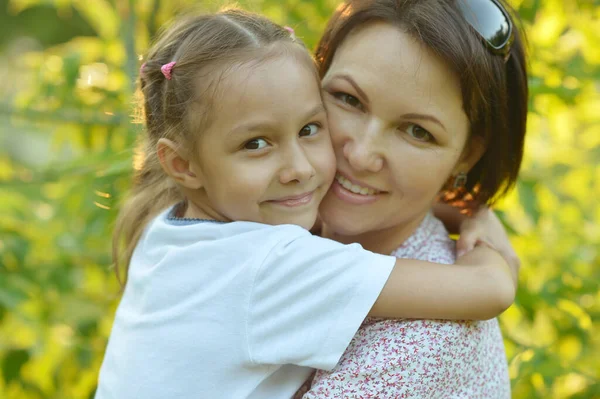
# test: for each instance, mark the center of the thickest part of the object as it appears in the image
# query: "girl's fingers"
(465, 244)
(484, 227)
(471, 230)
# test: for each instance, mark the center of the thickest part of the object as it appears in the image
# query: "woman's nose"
(362, 149)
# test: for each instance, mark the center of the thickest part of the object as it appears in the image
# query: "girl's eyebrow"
(317, 109)
(268, 125)
(355, 85)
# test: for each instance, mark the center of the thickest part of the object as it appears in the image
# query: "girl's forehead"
(235, 76)
(278, 91)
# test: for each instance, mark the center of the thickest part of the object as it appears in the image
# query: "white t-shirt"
(235, 310)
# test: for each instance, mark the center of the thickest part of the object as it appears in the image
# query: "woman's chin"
(342, 223)
(342, 219)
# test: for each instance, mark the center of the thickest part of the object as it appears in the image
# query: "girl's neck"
(383, 241)
(194, 210)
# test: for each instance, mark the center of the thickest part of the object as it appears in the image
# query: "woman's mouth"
(354, 193)
(354, 188)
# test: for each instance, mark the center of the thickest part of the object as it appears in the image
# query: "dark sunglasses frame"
(504, 48)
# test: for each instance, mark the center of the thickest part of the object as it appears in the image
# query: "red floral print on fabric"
(420, 358)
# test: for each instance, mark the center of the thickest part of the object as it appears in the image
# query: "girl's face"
(398, 131)
(266, 157)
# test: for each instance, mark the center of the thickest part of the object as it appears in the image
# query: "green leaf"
(528, 198)
(11, 295)
(12, 363)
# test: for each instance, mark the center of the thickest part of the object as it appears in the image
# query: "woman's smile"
(354, 192)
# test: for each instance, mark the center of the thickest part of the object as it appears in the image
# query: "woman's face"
(398, 131)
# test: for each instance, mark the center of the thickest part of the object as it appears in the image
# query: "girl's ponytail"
(153, 192)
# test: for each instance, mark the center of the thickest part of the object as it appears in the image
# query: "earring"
(460, 180)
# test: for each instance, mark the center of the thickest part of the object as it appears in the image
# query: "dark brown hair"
(495, 93)
(205, 48)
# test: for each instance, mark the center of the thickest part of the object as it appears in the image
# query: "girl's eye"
(309, 130)
(255, 144)
(418, 133)
(348, 99)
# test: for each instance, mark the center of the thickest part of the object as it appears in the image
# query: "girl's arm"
(479, 286)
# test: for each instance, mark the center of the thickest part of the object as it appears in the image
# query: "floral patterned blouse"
(405, 358)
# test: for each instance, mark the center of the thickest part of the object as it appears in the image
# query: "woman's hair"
(177, 104)
(494, 92)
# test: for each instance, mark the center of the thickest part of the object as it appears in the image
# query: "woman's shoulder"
(439, 247)
(430, 242)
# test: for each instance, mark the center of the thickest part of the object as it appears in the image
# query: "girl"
(422, 96)
(228, 294)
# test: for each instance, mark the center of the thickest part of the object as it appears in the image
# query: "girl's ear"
(177, 166)
(471, 154)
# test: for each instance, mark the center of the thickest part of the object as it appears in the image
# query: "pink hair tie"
(167, 69)
(142, 68)
(291, 30)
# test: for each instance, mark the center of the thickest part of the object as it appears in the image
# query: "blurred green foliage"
(68, 70)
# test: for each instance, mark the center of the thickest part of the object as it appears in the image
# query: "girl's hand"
(484, 227)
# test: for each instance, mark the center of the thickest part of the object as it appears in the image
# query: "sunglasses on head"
(491, 22)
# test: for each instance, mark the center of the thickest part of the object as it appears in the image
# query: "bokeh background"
(67, 78)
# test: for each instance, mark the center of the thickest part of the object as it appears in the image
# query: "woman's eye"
(309, 130)
(348, 99)
(255, 144)
(418, 133)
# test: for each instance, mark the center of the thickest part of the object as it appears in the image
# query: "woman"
(423, 97)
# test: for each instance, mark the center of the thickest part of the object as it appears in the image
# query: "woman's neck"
(383, 241)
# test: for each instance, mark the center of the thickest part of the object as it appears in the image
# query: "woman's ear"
(472, 153)
(176, 165)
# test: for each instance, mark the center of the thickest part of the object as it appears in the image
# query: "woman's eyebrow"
(425, 117)
(349, 79)
(361, 93)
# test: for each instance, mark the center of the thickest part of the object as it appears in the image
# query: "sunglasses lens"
(488, 19)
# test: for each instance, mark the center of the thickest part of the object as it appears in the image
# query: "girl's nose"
(298, 167)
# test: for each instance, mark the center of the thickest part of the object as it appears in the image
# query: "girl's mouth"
(296, 200)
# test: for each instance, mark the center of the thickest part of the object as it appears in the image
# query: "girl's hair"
(177, 105)
(494, 93)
